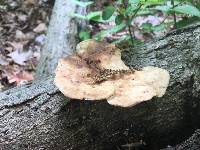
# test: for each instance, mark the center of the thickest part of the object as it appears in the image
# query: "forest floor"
(23, 26)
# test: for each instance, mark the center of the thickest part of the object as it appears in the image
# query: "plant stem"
(136, 11)
(174, 14)
(128, 19)
(129, 26)
(131, 35)
(127, 23)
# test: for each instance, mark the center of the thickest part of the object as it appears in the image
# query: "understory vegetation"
(133, 21)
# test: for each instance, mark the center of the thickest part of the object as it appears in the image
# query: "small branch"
(131, 18)
(129, 26)
(127, 23)
(174, 14)
(164, 20)
(131, 35)
(136, 11)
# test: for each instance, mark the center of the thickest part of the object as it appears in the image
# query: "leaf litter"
(23, 26)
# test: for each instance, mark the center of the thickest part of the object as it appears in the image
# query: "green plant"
(123, 12)
(84, 35)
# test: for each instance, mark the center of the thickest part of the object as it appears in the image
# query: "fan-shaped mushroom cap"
(75, 77)
(108, 55)
(88, 47)
(144, 85)
(74, 81)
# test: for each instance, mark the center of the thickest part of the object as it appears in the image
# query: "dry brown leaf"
(40, 28)
(20, 57)
(3, 60)
(29, 3)
(20, 35)
(16, 45)
(9, 49)
(22, 17)
(21, 77)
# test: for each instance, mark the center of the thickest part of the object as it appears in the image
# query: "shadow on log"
(38, 116)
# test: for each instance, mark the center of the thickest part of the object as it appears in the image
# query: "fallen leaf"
(30, 35)
(154, 20)
(40, 28)
(9, 49)
(21, 77)
(3, 60)
(16, 45)
(29, 3)
(22, 18)
(40, 39)
(20, 57)
(20, 35)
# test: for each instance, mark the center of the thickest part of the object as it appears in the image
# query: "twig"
(131, 34)
(129, 26)
(174, 14)
(127, 23)
(164, 20)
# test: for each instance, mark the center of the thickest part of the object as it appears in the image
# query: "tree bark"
(192, 143)
(38, 116)
(61, 36)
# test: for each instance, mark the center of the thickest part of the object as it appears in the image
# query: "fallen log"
(192, 143)
(38, 116)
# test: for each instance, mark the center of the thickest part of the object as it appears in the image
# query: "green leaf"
(186, 22)
(125, 42)
(104, 33)
(159, 27)
(135, 2)
(119, 1)
(131, 10)
(151, 1)
(119, 19)
(123, 38)
(95, 16)
(108, 12)
(84, 35)
(78, 16)
(146, 12)
(163, 8)
(82, 4)
(147, 27)
(187, 9)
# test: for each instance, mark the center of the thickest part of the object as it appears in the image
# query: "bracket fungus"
(96, 72)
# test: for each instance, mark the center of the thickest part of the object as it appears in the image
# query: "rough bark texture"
(192, 143)
(38, 116)
(61, 37)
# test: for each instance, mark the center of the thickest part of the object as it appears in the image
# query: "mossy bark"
(38, 116)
